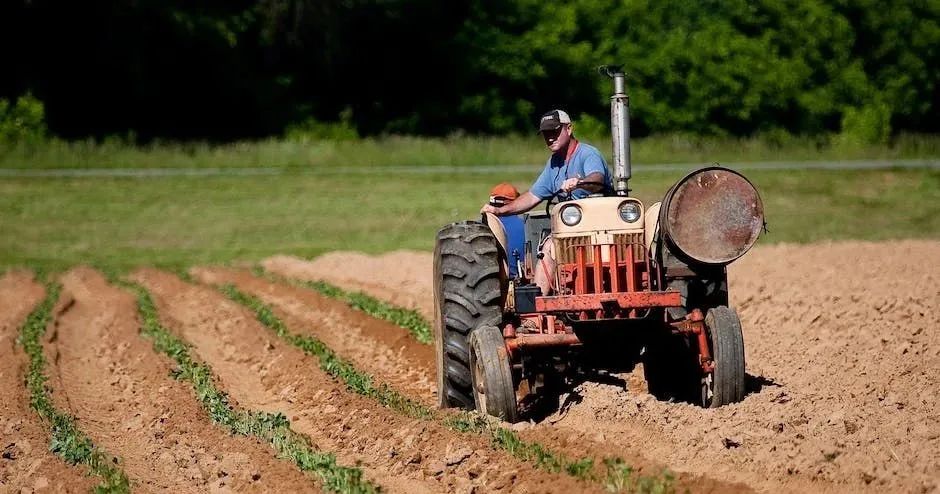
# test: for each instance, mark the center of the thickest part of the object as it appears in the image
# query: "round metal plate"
(713, 215)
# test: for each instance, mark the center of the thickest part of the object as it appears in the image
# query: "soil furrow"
(328, 320)
(842, 355)
(26, 465)
(261, 372)
(374, 346)
(122, 396)
(404, 281)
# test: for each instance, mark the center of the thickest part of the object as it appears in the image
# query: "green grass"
(182, 221)
(454, 151)
(617, 476)
(271, 428)
(67, 441)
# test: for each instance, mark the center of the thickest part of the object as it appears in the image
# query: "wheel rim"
(708, 388)
(479, 380)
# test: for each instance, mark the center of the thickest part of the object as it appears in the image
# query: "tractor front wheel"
(726, 383)
(493, 388)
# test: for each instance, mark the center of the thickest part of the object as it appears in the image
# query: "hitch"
(694, 326)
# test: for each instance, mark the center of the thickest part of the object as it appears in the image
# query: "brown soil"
(26, 465)
(402, 277)
(120, 391)
(374, 346)
(393, 356)
(261, 372)
(843, 350)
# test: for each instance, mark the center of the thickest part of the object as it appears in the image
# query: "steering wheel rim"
(558, 194)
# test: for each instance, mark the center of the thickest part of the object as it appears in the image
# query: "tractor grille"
(566, 248)
(624, 240)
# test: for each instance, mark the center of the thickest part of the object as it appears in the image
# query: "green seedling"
(271, 428)
(68, 442)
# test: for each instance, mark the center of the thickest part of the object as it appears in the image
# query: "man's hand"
(488, 208)
(570, 184)
(522, 204)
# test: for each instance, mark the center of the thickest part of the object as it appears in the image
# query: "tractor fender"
(496, 226)
(650, 223)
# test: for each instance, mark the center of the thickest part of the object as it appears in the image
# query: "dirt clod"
(456, 456)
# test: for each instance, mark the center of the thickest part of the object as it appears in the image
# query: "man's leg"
(545, 267)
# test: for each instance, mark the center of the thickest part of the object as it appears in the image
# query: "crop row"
(67, 441)
(271, 428)
(613, 473)
(75, 447)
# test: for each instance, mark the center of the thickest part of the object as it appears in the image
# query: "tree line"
(233, 69)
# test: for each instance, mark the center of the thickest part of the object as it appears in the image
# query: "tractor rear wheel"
(493, 388)
(468, 294)
(726, 384)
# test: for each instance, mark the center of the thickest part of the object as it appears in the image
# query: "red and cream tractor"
(632, 283)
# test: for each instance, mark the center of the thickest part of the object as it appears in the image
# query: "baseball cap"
(502, 193)
(553, 120)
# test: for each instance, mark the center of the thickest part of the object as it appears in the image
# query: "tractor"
(632, 284)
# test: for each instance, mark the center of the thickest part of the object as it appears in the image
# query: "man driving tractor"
(617, 283)
(574, 168)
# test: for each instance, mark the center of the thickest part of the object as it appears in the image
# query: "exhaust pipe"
(620, 128)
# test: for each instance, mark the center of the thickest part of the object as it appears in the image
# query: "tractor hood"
(597, 214)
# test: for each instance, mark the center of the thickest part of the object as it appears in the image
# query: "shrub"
(591, 128)
(311, 129)
(22, 121)
(869, 124)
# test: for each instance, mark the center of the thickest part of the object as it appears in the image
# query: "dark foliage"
(248, 68)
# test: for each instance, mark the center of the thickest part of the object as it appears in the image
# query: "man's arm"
(578, 183)
(522, 204)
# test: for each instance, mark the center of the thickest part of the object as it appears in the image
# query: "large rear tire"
(493, 388)
(726, 384)
(468, 294)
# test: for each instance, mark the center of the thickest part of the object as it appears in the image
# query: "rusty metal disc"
(712, 215)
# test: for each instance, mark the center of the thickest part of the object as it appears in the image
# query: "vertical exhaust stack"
(620, 128)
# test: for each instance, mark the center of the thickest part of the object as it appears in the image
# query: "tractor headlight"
(629, 211)
(571, 215)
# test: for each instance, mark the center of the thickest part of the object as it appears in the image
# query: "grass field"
(454, 151)
(180, 221)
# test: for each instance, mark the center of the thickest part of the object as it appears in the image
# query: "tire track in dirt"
(26, 465)
(328, 320)
(120, 392)
(374, 346)
(842, 342)
(261, 372)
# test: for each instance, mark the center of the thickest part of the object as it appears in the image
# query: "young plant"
(67, 440)
(271, 428)
(464, 422)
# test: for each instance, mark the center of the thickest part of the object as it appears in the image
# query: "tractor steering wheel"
(566, 196)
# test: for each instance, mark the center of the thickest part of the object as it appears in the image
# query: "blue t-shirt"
(515, 240)
(585, 161)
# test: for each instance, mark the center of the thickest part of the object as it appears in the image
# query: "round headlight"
(571, 215)
(629, 212)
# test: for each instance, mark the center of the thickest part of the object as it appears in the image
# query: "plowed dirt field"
(843, 358)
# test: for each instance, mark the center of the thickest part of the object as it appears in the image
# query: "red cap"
(504, 192)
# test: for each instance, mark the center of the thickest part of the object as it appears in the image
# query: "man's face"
(557, 139)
